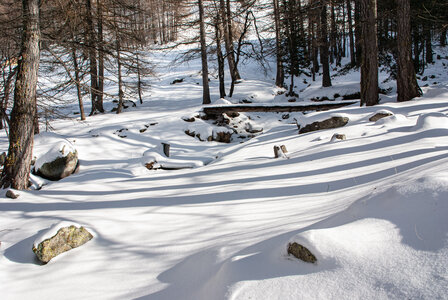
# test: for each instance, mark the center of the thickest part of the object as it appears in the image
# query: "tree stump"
(166, 149)
(280, 151)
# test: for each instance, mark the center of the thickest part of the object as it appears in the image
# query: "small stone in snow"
(379, 115)
(12, 195)
(301, 253)
(338, 136)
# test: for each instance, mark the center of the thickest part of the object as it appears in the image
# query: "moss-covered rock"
(65, 239)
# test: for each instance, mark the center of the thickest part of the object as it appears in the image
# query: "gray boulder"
(65, 239)
(57, 163)
(333, 122)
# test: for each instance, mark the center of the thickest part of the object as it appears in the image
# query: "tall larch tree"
(407, 86)
(369, 55)
(205, 87)
(280, 76)
(326, 80)
(21, 139)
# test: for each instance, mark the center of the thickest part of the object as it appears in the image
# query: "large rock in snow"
(65, 239)
(333, 122)
(59, 162)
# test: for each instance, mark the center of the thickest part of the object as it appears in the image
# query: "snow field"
(372, 208)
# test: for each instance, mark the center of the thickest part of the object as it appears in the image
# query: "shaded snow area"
(372, 208)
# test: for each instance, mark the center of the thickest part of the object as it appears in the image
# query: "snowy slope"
(372, 208)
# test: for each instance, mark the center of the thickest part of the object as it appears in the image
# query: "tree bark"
(21, 139)
(205, 87)
(120, 79)
(100, 92)
(230, 30)
(407, 86)
(78, 85)
(228, 41)
(139, 78)
(7, 86)
(369, 61)
(218, 34)
(326, 80)
(333, 34)
(280, 76)
(93, 71)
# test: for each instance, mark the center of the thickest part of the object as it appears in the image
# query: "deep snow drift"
(372, 208)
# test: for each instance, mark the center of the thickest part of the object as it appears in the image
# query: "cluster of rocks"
(224, 128)
(337, 122)
(126, 105)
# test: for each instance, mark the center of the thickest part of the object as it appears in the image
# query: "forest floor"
(372, 208)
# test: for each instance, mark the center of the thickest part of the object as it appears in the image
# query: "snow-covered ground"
(372, 208)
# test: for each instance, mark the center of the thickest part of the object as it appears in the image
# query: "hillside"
(372, 208)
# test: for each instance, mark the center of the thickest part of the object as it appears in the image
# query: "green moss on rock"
(65, 239)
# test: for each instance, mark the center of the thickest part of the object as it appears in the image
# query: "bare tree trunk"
(228, 41)
(139, 79)
(407, 86)
(205, 88)
(315, 49)
(238, 52)
(100, 92)
(222, 88)
(280, 77)
(230, 30)
(36, 117)
(350, 32)
(120, 79)
(369, 61)
(7, 85)
(92, 57)
(21, 139)
(333, 34)
(78, 85)
(326, 80)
